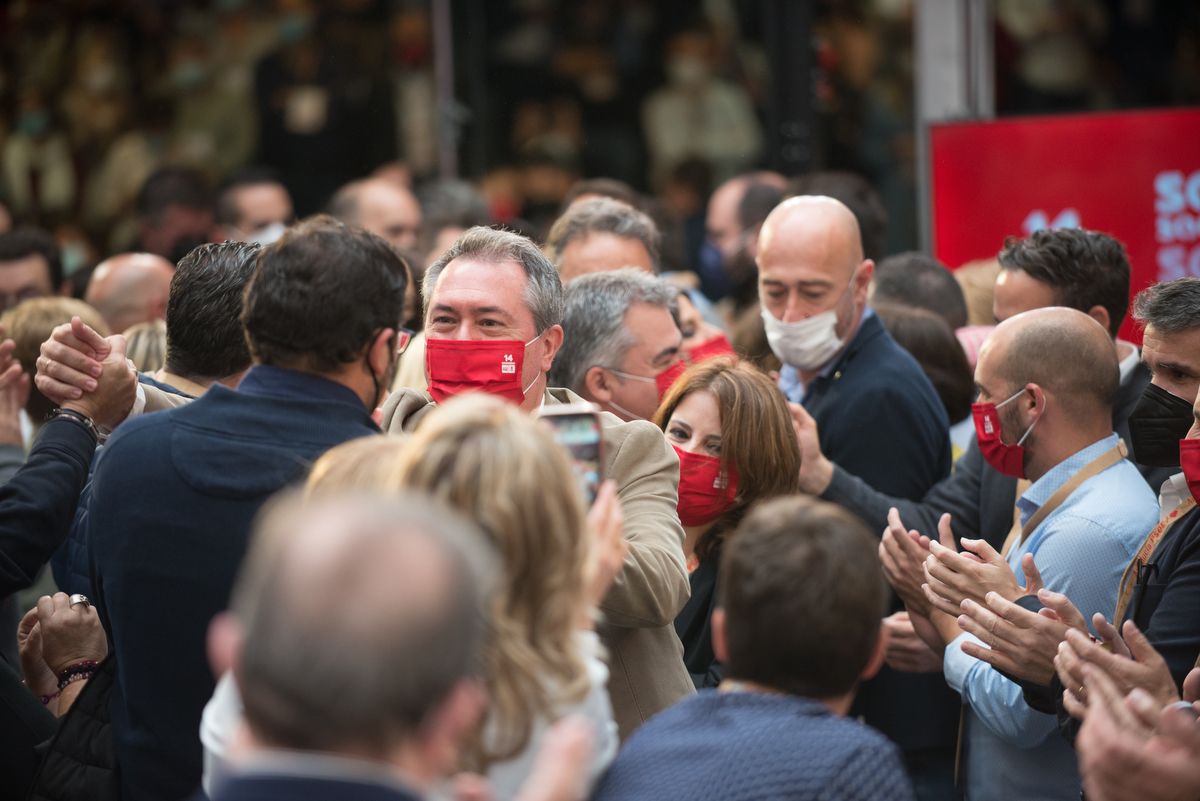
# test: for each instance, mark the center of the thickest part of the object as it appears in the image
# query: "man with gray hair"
(602, 234)
(620, 343)
(493, 318)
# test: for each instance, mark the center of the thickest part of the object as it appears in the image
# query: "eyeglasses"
(404, 337)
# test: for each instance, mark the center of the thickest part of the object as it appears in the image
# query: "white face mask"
(806, 344)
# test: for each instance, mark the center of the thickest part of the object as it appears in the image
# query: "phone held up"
(577, 428)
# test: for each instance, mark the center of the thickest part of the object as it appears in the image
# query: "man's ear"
(552, 339)
(382, 352)
(862, 281)
(224, 643)
(719, 643)
(450, 724)
(1100, 315)
(596, 385)
(877, 655)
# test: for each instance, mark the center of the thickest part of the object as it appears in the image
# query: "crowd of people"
(855, 526)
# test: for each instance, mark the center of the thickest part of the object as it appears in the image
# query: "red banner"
(1133, 175)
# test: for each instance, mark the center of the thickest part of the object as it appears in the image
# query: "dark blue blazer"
(297, 788)
(173, 498)
(879, 417)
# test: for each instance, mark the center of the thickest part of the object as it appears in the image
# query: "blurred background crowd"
(95, 96)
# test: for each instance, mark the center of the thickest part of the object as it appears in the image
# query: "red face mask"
(666, 378)
(710, 348)
(1007, 459)
(1189, 460)
(705, 491)
(483, 365)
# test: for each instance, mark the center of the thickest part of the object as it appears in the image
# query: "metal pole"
(788, 40)
(443, 76)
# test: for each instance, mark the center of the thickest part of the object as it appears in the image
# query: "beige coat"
(646, 670)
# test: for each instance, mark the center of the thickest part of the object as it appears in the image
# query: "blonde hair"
(504, 470)
(146, 345)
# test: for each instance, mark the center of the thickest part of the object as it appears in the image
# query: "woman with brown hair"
(733, 433)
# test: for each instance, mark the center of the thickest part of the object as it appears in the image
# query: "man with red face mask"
(493, 313)
(1047, 379)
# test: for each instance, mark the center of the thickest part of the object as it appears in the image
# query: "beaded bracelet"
(75, 672)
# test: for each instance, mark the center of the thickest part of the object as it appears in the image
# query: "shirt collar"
(1127, 365)
(1173, 492)
(1040, 491)
(180, 383)
(280, 382)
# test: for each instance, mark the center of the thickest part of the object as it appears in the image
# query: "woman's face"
(695, 425)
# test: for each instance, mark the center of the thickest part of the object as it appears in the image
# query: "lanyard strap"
(1144, 554)
(1092, 468)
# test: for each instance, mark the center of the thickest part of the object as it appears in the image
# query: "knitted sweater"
(740, 746)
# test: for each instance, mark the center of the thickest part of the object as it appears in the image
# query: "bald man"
(875, 409)
(1047, 379)
(382, 207)
(130, 288)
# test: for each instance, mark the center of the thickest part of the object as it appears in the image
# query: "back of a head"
(31, 323)
(859, 196)
(173, 186)
(803, 595)
(919, 281)
(449, 204)
(758, 201)
(1064, 351)
(601, 187)
(602, 216)
(930, 341)
(1085, 268)
(205, 338)
(319, 295)
(386, 600)
(1171, 306)
(146, 345)
(594, 332)
(544, 289)
(21, 243)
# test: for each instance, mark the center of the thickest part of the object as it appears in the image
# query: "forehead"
(600, 251)
(258, 195)
(804, 254)
(474, 282)
(1181, 347)
(24, 270)
(651, 324)
(700, 410)
(1017, 291)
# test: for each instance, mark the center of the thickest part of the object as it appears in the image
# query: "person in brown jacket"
(493, 287)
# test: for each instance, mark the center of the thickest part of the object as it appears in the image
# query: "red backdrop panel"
(1133, 175)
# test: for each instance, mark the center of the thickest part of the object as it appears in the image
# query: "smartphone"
(577, 428)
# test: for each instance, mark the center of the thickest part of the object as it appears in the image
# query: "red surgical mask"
(710, 348)
(480, 365)
(662, 382)
(705, 490)
(1007, 459)
(1189, 460)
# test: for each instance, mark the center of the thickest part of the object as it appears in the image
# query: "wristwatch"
(79, 418)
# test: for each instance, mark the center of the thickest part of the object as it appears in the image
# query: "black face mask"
(1156, 425)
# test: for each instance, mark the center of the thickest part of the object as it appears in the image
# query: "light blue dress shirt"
(1081, 550)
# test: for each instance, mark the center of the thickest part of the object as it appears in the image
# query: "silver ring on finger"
(80, 599)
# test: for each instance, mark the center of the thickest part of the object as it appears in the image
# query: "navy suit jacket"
(880, 418)
(173, 499)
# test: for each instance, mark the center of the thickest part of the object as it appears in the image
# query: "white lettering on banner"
(1177, 226)
(1038, 220)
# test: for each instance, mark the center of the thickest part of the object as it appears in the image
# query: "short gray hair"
(602, 215)
(335, 657)
(594, 323)
(1171, 306)
(544, 289)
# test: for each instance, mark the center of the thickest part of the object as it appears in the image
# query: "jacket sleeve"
(958, 494)
(38, 504)
(653, 585)
(158, 401)
(11, 459)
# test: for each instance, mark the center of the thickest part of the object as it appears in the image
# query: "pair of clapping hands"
(976, 590)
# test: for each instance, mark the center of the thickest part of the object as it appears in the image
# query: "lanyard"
(1092, 468)
(1144, 554)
